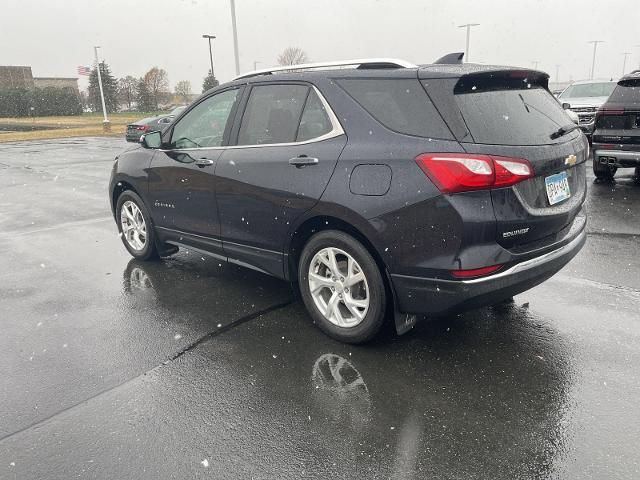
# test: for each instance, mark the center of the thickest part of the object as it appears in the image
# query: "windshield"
(177, 111)
(601, 89)
(512, 117)
(626, 92)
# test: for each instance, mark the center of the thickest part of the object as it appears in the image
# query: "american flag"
(84, 70)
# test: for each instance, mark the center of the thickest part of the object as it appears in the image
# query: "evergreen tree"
(210, 81)
(144, 97)
(110, 87)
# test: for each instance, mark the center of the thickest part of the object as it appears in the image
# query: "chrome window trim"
(336, 131)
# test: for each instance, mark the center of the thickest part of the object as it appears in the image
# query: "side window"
(204, 125)
(272, 114)
(401, 105)
(315, 121)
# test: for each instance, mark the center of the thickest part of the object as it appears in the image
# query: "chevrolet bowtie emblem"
(570, 160)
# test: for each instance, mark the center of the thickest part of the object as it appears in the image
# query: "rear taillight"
(461, 172)
(610, 111)
(142, 128)
(476, 272)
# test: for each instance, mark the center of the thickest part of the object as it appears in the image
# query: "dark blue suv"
(383, 189)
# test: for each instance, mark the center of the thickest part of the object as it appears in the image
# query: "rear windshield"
(399, 104)
(599, 89)
(512, 117)
(627, 91)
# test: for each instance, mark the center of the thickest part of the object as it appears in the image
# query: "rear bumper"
(617, 158)
(436, 297)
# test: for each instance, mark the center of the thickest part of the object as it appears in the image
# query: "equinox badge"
(570, 160)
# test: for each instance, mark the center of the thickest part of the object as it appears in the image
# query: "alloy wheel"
(134, 228)
(338, 287)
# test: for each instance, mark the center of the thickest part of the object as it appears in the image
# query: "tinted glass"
(627, 91)
(401, 105)
(511, 117)
(204, 126)
(315, 121)
(600, 89)
(272, 114)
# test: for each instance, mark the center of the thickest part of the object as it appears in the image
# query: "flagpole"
(105, 123)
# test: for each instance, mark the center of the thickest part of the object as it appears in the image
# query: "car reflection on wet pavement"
(189, 368)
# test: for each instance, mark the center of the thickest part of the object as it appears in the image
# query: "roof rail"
(358, 63)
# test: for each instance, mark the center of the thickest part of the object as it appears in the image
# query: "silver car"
(584, 98)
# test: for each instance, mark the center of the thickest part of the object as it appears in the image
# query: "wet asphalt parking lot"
(189, 368)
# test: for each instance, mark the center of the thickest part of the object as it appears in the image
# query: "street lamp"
(468, 27)
(235, 36)
(593, 62)
(106, 125)
(210, 37)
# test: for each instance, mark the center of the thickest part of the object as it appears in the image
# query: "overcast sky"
(55, 36)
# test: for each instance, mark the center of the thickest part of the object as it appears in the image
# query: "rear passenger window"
(272, 114)
(315, 121)
(401, 105)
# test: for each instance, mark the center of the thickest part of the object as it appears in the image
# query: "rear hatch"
(511, 113)
(618, 121)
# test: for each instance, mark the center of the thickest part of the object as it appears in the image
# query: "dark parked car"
(385, 190)
(151, 124)
(616, 140)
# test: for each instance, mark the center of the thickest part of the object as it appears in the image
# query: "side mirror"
(151, 140)
(566, 106)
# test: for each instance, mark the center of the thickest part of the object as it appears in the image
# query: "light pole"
(235, 36)
(624, 62)
(593, 62)
(255, 64)
(535, 64)
(468, 27)
(210, 37)
(105, 123)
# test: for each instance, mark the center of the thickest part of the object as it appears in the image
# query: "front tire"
(342, 287)
(135, 226)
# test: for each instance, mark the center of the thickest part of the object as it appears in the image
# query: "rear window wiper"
(563, 131)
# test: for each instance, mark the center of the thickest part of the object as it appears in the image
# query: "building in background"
(56, 82)
(21, 77)
(16, 77)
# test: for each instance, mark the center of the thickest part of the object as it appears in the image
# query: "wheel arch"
(119, 188)
(319, 223)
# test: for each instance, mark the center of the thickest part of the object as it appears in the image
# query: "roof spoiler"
(450, 59)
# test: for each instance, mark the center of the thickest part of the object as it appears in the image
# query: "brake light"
(142, 128)
(610, 111)
(461, 172)
(476, 272)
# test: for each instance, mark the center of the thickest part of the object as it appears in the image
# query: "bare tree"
(183, 89)
(292, 56)
(127, 90)
(157, 83)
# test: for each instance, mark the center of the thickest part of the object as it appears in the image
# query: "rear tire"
(135, 226)
(603, 172)
(342, 287)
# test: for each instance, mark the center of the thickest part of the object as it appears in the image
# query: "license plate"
(557, 187)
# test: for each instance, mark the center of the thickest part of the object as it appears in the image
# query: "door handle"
(303, 161)
(204, 162)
